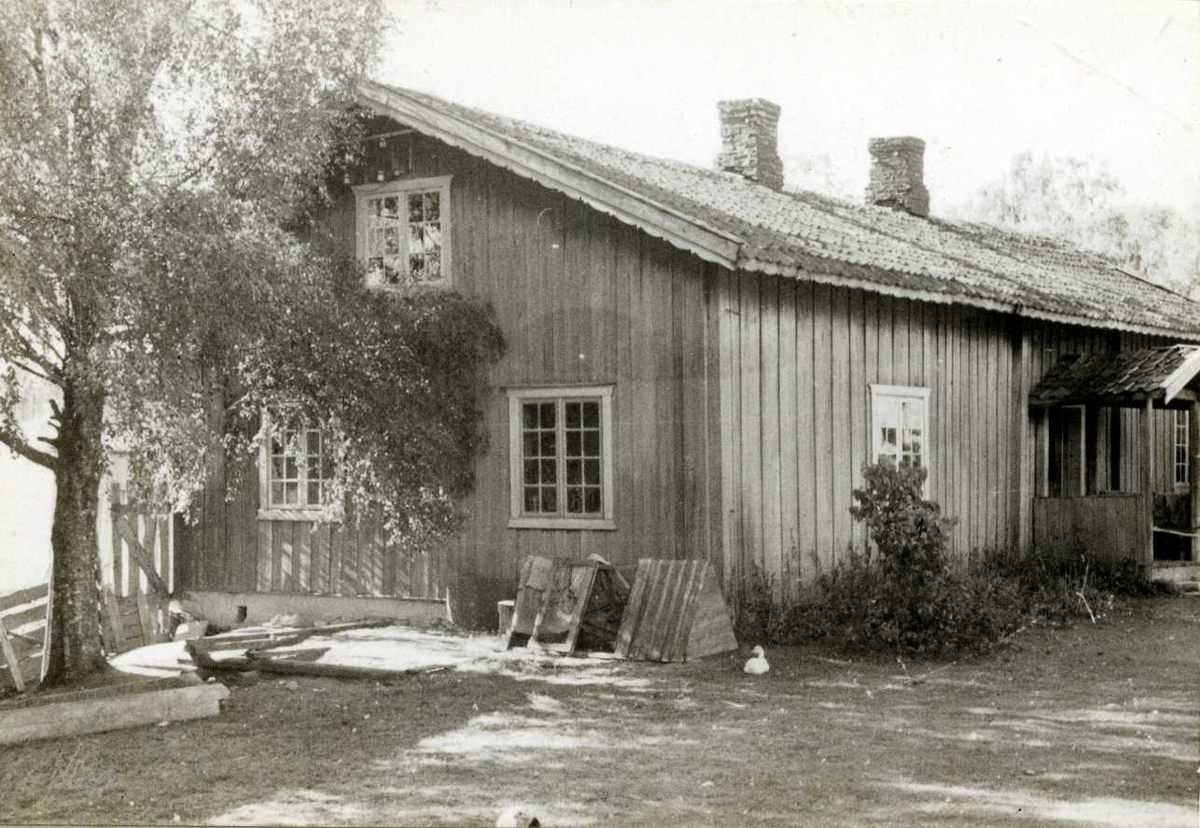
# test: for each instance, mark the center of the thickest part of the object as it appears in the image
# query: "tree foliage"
(163, 168)
(1082, 202)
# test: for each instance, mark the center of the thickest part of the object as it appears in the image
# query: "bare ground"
(1080, 725)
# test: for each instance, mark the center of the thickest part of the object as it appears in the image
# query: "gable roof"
(1121, 378)
(742, 225)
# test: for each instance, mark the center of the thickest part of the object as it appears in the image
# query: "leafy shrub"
(759, 616)
(911, 536)
(911, 597)
(858, 606)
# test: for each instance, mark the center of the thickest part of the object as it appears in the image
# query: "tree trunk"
(76, 648)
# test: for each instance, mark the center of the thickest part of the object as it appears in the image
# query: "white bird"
(757, 665)
(517, 816)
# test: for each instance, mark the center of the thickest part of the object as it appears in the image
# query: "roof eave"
(623, 204)
(1015, 308)
(1182, 375)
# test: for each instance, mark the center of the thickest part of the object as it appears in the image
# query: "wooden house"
(699, 365)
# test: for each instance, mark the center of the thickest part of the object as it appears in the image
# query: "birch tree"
(159, 165)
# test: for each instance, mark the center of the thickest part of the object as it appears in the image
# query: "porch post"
(1041, 431)
(1194, 474)
(1147, 483)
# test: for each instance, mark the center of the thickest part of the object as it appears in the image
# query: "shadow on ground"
(1086, 725)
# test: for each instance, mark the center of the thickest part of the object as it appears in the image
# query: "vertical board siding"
(771, 410)
(824, 410)
(582, 299)
(741, 409)
(798, 360)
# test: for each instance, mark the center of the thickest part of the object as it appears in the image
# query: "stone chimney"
(749, 139)
(898, 175)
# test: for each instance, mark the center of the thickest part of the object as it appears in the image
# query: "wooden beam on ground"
(144, 559)
(292, 667)
(69, 715)
(256, 639)
(10, 656)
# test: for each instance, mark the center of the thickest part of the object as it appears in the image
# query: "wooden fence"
(23, 636)
(133, 598)
(134, 608)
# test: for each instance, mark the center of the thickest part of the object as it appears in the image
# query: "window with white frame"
(404, 232)
(900, 425)
(1182, 448)
(560, 448)
(297, 468)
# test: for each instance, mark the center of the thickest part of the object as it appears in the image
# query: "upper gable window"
(404, 232)
(900, 425)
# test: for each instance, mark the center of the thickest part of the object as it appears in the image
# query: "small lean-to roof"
(1121, 378)
(743, 225)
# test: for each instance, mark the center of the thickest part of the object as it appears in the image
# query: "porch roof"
(1124, 378)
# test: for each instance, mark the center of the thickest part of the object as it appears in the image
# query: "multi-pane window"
(900, 425)
(1182, 448)
(562, 457)
(300, 466)
(403, 232)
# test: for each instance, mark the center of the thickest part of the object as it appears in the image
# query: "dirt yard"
(1083, 725)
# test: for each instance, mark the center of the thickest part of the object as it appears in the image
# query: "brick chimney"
(898, 175)
(749, 137)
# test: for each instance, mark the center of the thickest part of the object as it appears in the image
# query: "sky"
(978, 81)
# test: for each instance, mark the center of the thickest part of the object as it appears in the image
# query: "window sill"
(409, 287)
(596, 524)
(314, 515)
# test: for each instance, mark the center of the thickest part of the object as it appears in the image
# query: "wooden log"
(260, 639)
(214, 645)
(307, 654)
(304, 668)
(144, 559)
(73, 717)
(10, 657)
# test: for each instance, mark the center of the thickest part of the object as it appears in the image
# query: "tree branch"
(51, 372)
(22, 448)
(29, 370)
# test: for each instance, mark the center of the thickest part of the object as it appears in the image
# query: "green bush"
(909, 596)
(857, 606)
